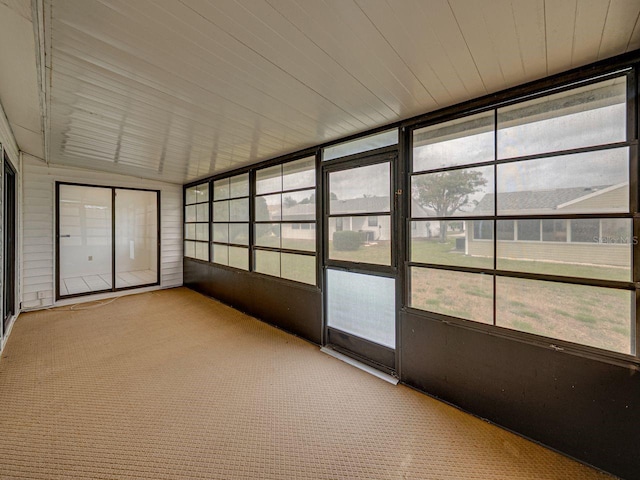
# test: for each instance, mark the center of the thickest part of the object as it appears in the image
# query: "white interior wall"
(38, 200)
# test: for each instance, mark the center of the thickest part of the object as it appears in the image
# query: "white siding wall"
(38, 201)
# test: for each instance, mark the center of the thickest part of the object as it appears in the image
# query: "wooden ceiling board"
(622, 18)
(431, 65)
(470, 18)
(438, 16)
(294, 55)
(590, 15)
(560, 20)
(528, 16)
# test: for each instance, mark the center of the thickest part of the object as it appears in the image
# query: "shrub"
(347, 240)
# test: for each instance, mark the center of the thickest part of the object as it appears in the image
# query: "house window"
(372, 221)
(554, 230)
(552, 169)
(196, 222)
(483, 230)
(285, 215)
(529, 230)
(230, 222)
(506, 230)
(585, 230)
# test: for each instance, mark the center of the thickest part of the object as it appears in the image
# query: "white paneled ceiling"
(19, 91)
(179, 90)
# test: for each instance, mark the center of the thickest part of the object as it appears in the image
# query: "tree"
(447, 192)
(289, 202)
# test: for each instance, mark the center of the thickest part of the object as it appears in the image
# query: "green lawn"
(429, 251)
(589, 315)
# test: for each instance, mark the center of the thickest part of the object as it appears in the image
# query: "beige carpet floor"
(173, 385)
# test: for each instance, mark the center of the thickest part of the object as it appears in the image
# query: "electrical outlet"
(40, 295)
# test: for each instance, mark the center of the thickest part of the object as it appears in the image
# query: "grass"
(432, 251)
(587, 315)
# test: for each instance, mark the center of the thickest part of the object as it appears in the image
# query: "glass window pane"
(202, 212)
(268, 208)
(190, 195)
(506, 230)
(377, 140)
(136, 223)
(599, 317)
(220, 254)
(202, 251)
(239, 210)
(585, 230)
(269, 180)
(608, 260)
(299, 205)
(239, 186)
(267, 262)
(221, 189)
(190, 249)
(299, 174)
(85, 223)
(453, 193)
(239, 257)
(352, 240)
(457, 294)
(592, 182)
(360, 190)
(221, 211)
(202, 231)
(363, 305)
(528, 230)
(482, 230)
(554, 230)
(239, 233)
(299, 236)
(267, 235)
(458, 142)
(202, 192)
(190, 213)
(466, 243)
(190, 231)
(220, 232)
(590, 115)
(300, 268)
(616, 231)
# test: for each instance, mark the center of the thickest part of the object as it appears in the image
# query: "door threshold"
(376, 373)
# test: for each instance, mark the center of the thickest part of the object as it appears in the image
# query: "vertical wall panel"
(38, 201)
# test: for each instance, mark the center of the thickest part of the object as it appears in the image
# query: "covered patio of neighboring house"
(603, 241)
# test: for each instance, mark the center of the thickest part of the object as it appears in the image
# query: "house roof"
(306, 211)
(549, 199)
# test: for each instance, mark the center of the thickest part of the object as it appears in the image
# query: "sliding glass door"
(9, 308)
(136, 232)
(85, 240)
(107, 239)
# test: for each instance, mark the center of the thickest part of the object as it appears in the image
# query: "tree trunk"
(443, 231)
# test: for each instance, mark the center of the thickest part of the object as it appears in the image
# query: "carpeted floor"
(172, 384)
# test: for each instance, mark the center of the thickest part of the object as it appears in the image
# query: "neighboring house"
(593, 240)
(376, 227)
